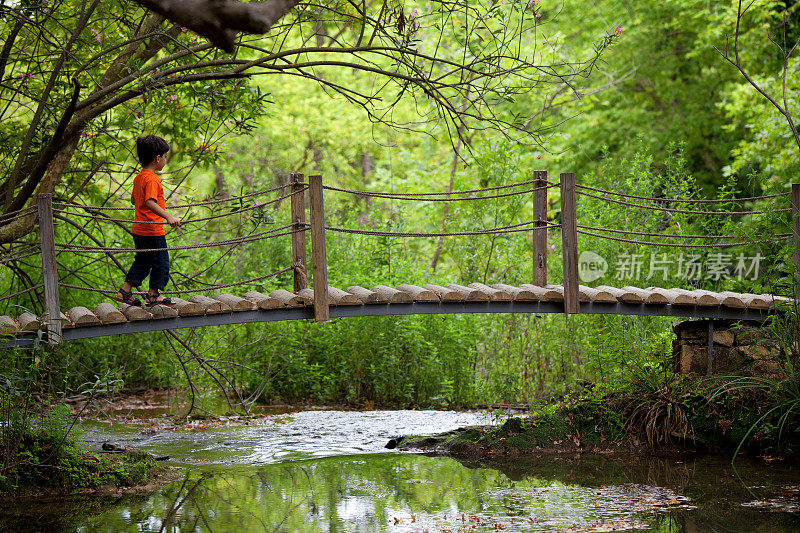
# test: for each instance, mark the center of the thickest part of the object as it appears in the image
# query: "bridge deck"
(107, 319)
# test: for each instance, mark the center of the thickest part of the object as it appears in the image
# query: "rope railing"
(421, 197)
(11, 216)
(25, 249)
(19, 257)
(23, 291)
(259, 205)
(682, 245)
(67, 247)
(677, 236)
(514, 228)
(683, 211)
(685, 200)
(179, 206)
(209, 288)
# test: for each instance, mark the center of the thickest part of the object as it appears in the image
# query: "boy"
(148, 199)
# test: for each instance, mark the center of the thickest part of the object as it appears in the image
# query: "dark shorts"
(155, 264)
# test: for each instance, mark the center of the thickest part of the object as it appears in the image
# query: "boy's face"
(160, 161)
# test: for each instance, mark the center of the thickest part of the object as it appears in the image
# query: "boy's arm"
(155, 208)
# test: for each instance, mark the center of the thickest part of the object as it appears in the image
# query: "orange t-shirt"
(147, 185)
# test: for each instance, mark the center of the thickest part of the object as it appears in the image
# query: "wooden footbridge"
(322, 301)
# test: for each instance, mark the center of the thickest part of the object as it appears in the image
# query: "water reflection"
(411, 493)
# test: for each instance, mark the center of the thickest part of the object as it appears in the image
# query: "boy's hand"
(155, 208)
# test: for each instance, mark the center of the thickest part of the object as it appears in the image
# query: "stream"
(319, 470)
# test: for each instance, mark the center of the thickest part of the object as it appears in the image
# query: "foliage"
(46, 461)
(779, 406)
(663, 115)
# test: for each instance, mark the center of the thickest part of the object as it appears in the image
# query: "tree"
(80, 78)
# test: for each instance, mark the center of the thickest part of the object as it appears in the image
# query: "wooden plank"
(28, 322)
(318, 255)
(365, 295)
(81, 316)
(392, 295)
(340, 297)
(593, 294)
(108, 314)
(703, 300)
(306, 296)
(517, 293)
(719, 298)
(548, 293)
(444, 294)
(732, 300)
(569, 242)
(626, 296)
(210, 305)
(52, 307)
(187, 308)
(470, 294)
(498, 295)
(418, 294)
(649, 297)
(263, 301)
(287, 298)
(8, 326)
(163, 311)
(135, 313)
(674, 297)
(234, 302)
(539, 235)
(750, 301)
(299, 260)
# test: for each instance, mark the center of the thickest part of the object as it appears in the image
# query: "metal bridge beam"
(416, 308)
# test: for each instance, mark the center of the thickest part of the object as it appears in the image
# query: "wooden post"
(318, 256)
(540, 235)
(569, 240)
(52, 307)
(299, 238)
(710, 362)
(796, 231)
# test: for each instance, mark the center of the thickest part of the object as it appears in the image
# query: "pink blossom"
(552, 246)
(172, 97)
(257, 202)
(97, 35)
(619, 31)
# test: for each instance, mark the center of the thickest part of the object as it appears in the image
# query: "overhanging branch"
(220, 20)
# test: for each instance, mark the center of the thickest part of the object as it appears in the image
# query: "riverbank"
(46, 464)
(657, 423)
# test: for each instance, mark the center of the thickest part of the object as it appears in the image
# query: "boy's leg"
(136, 274)
(142, 261)
(159, 275)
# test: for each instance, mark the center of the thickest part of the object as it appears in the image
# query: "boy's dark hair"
(148, 147)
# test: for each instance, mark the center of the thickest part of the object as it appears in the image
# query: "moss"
(44, 461)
